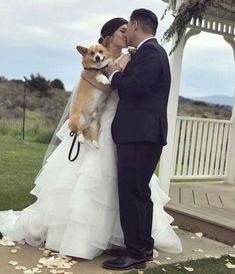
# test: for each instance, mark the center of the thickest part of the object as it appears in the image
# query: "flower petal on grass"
(229, 265)
(189, 269)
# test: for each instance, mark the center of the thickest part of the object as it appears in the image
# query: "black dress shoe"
(123, 252)
(149, 255)
(124, 263)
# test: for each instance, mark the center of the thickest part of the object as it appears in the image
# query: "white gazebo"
(198, 148)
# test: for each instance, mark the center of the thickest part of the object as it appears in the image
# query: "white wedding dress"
(77, 208)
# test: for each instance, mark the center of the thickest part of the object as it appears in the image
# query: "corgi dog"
(89, 102)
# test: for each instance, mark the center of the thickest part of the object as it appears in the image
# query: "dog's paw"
(81, 138)
(101, 78)
(95, 144)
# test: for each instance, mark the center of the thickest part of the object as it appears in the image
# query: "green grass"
(19, 164)
(202, 266)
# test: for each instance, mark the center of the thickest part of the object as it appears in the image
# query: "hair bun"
(101, 39)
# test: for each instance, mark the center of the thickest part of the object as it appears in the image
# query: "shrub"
(200, 103)
(57, 83)
(39, 83)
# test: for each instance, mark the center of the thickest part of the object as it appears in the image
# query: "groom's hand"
(112, 67)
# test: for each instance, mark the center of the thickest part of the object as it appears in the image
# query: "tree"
(39, 83)
(3, 79)
(57, 83)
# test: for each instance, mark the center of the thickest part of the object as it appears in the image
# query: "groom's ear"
(135, 25)
(82, 50)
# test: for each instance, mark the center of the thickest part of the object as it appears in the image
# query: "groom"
(139, 130)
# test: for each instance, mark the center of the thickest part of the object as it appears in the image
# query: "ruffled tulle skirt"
(77, 209)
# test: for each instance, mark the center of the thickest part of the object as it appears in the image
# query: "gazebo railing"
(201, 148)
(214, 25)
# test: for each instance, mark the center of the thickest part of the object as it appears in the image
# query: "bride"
(77, 211)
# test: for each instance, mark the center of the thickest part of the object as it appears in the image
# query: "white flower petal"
(199, 234)
(232, 255)
(156, 262)
(13, 251)
(13, 262)
(189, 269)
(229, 265)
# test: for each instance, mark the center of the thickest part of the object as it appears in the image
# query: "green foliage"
(191, 9)
(57, 83)
(200, 103)
(39, 83)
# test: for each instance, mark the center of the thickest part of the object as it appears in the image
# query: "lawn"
(19, 164)
(202, 266)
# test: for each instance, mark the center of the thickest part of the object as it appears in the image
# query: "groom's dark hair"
(147, 20)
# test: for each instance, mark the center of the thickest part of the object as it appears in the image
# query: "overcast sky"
(41, 36)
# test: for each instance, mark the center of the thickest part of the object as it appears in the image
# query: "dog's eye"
(101, 51)
(92, 53)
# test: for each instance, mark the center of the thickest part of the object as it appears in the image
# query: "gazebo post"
(166, 162)
(231, 167)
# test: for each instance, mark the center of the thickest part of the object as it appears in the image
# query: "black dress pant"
(136, 164)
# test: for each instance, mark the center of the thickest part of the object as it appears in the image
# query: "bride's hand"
(111, 68)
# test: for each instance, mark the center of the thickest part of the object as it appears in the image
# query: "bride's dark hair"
(109, 28)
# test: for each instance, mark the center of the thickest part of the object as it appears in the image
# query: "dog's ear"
(82, 50)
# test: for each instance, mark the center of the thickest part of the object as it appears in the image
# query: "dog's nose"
(97, 58)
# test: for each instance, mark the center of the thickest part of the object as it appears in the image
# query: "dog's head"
(96, 56)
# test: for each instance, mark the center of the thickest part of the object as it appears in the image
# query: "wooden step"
(209, 209)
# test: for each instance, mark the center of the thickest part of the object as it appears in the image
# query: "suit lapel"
(139, 52)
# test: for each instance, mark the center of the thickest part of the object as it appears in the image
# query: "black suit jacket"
(143, 89)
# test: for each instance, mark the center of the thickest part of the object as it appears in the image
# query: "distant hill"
(46, 111)
(216, 99)
(196, 108)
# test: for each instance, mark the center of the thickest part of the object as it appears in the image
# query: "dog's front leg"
(101, 78)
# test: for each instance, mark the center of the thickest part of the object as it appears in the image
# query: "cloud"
(40, 36)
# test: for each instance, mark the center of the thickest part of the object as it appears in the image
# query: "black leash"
(72, 134)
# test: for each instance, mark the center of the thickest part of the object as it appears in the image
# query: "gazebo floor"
(204, 207)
